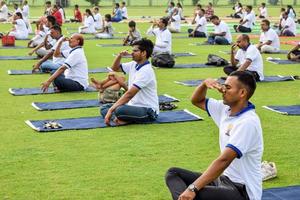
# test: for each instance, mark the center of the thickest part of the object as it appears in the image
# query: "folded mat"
(282, 62)
(280, 52)
(184, 54)
(110, 45)
(13, 47)
(285, 110)
(33, 91)
(18, 57)
(98, 122)
(282, 193)
(42, 106)
(28, 72)
(267, 79)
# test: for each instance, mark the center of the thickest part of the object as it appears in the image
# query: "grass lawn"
(130, 162)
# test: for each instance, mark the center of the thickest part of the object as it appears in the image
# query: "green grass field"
(130, 162)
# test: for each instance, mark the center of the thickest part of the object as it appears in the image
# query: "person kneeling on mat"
(139, 104)
(73, 74)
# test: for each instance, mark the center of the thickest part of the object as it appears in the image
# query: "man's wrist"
(193, 188)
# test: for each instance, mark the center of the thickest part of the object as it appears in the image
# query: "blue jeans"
(67, 85)
(130, 114)
(217, 40)
(49, 66)
(115, 19)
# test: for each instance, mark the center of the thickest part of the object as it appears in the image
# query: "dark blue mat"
(13, 47)
(18, 57)
(29, 72)
(184, 54)
(110, 45)
(285, 110)
(280, 52)
(94, 38)
(192, 65)
(98, 122)
(282, 193)
(266, 80)
(34, 91)
(283, 62)
(42, 106)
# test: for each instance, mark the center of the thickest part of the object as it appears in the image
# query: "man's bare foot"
(119, 122)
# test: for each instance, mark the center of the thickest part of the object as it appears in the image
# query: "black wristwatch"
(193, 188)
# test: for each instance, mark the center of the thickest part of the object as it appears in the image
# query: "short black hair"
(172, 3)
(214, 17)
(108, 16)
(76, 6)
(48, 2)
(266, 21)
(117, 4)
(247, 79)
(145, 44)
(51, 19)
(57, 28)
(250, 7)
(132, 23)
(165, 21)
(19, 15)
(246, 37)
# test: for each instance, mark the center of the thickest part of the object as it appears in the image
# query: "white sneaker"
(268, 170)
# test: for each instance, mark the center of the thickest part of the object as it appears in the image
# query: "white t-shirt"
(243, 134)
(124, 12)
(98, 21)
(263, 12)
(64, 51)
(77, 68)
(176, 23)
(25, 11)
(18, 10)
(21, 28)
(143, 77)
(251, 53)
(90, 24)
(108, 28)
(4, 12)
(290, 23)
(249, 18)
(223, 27)
(203, 23)
(163, 41)
(272, 36)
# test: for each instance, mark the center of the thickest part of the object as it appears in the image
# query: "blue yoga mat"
(282, 193)
(98, 122)
(29, 72)
(18, 57)
(267, 79)
(110, 45)
(193, 65)
(282, 62)
(285, 110)
(184, 54)
(94, 38)
(34, 91)
(13, 47)
(280, 52)
(42, 106)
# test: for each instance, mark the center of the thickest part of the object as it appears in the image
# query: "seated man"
(247, 22)
(288, 26)
(294, 54)
(163, 42)
(236, 173)
(110, 88)
(222, 34)
(140, 103)
(174, 22)
(117, 13)
(201, 23)
(269, 40)
(247, 58)
(263, 12)
(19, 31)
(73, 74)
(3, 12)
(133, 34)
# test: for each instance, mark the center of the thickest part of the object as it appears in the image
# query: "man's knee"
(171, 172)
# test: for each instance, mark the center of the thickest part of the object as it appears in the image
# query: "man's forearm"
(56, 74)
(199, 95)
(116, 64)
(123, 100)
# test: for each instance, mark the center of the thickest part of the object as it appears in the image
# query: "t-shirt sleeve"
(214, 109)
(125, 67)
(65, 53)
(242, 137)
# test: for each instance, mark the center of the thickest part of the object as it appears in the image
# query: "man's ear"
(144, 53)
(243, 93)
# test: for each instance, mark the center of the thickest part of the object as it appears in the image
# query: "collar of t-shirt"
(78, 47)
(139, 66)
(245, 49)
(250, 106)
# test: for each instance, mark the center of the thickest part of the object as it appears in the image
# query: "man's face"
(137, 54)
(233, 91)
(215, 22)
(241, 43)
(161, 24)
(73, 41)
(54, 33)
(264, 26)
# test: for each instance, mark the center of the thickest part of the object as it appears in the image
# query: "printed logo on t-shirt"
(229, 128)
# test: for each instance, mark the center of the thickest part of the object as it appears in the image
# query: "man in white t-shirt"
(288, 26)
(174, 22)
(140, 102)
(200, 20)
(221, 35)
(98, 18)
(263, 12)
(269, 40)
(247, 22)
(236, 172)
(3, 12)
(73, 74)
(124, 10)
(163, 36)
(247, 58)
(20, 30)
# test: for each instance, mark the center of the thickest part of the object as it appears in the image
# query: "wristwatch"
(193, 188)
